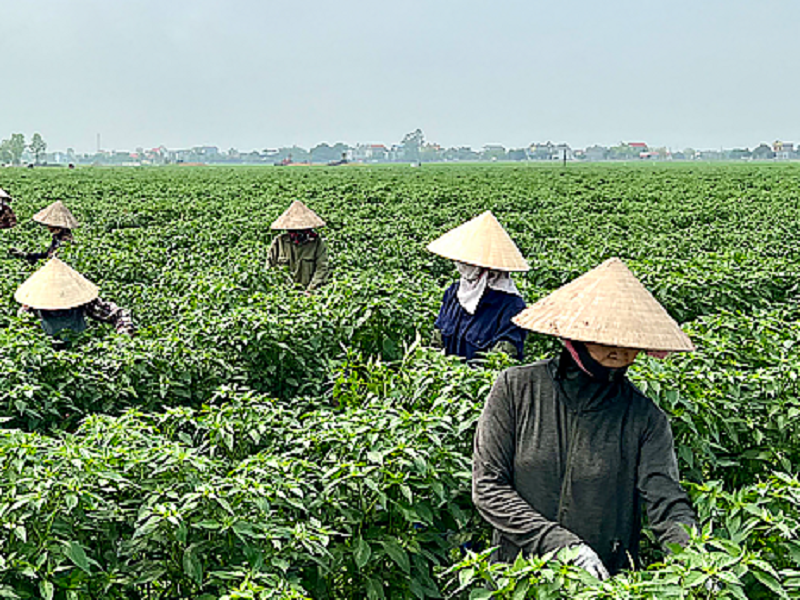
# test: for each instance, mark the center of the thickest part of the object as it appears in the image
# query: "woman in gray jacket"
(567, 451)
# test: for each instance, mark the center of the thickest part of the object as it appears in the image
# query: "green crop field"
(254, 442)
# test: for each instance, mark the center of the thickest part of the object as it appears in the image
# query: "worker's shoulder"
(643, 404)
(526, 374)
(452, 290)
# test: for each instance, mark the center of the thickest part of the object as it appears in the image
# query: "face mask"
(580, 354)
(302, 236)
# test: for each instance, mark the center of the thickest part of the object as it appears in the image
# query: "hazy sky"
(260, 74)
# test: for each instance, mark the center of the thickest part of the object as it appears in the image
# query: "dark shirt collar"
(579, 390)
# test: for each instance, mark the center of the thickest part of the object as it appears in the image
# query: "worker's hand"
(15, 252)
(587, 559)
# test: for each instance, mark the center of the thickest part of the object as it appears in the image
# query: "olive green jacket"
(308, 263)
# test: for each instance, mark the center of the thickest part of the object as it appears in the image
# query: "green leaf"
(480, 594)
(21, 533)
(375, 589)
(521, 589)
(77, 555)
(46, 589)
(362, 552)
(771, 583)
(417, 589)
(192, 565)
(465, 576)
(397, 554)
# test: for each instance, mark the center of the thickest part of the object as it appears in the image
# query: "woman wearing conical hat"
(567, 451)
(476, 311)
(60, 222)
(301, 249)
(62, 298)
(7, 217)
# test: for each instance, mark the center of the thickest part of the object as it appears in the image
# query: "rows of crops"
(254, 442)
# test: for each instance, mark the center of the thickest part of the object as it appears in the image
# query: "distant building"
(656, 154)
(206, 154)
(493, 152)
(596, 153)
(763, 152)
(783, 150)
(537, 151)
(562, 152)
(377, 152)
(369, 153)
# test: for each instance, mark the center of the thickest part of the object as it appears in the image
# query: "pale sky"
(261, 74)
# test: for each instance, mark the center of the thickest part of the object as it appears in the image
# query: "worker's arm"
(668, 506)
(320, 267)
(274, 254)
(108, 312)
(493, 490)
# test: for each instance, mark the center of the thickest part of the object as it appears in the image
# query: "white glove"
(587, 559)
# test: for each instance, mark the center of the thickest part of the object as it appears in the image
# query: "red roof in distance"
(637, 144)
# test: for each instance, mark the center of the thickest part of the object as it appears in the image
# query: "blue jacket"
(465, 334)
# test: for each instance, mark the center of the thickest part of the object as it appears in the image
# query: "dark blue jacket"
(465, 334)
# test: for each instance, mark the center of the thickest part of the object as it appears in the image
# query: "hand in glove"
(587, 559)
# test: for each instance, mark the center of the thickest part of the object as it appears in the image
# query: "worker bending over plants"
(567, 451)
(476, 311)
(7, 217)
(301, 249)
(62, 298)
(60, 222)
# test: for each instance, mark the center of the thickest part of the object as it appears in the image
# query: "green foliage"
(254, 442)
(748, 549)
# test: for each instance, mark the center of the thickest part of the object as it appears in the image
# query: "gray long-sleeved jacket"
(561, 458)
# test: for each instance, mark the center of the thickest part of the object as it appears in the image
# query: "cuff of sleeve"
(673, 532)
(557, 538)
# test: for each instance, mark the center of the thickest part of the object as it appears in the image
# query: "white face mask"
(469, 272)
(475, 280)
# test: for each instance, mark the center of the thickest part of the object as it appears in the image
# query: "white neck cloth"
(475, 280)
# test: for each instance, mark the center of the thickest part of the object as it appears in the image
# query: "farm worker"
(300, 248)
(476, 311)
(60, 222)
(567, 451)
(7, 217)
(62, 298)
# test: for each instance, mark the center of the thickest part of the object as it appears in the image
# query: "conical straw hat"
(56, 215)
(4, 195)
(609, 306)
(482, 242)
(56, 286)
(298, 216)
